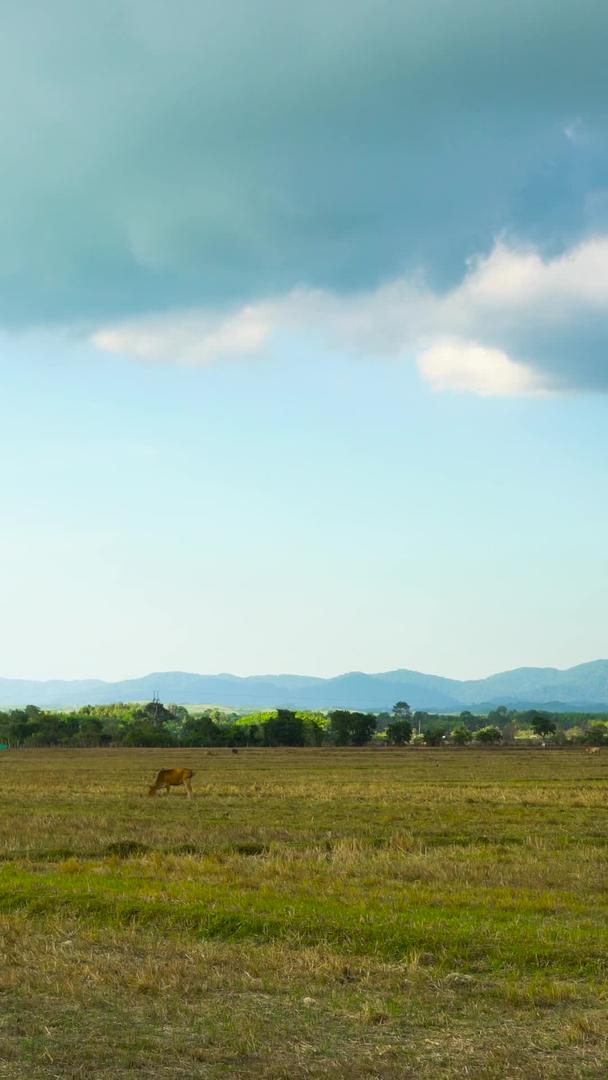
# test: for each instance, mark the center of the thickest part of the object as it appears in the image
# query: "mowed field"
(309, 913)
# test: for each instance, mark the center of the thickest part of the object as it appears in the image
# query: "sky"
(303, 336)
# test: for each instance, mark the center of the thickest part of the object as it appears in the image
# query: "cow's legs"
(188, 788)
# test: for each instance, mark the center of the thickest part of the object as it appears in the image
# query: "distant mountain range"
(584, 686)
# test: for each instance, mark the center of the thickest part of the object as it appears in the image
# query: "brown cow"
(592, 750)
(168, 778)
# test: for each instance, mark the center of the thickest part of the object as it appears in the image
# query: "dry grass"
(309, 913)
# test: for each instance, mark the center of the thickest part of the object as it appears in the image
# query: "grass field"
(310, 913)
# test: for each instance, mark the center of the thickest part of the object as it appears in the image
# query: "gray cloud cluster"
(511, 326)
(210, 155)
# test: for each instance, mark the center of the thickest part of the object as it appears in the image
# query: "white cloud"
(499, 332)
(510, 278)
(190, 338)
(466, 366)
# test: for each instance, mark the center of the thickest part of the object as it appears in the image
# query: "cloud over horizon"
(188, 188)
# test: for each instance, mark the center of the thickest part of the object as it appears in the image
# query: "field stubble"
(372, 913)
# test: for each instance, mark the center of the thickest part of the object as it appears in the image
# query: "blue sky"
(303, 329)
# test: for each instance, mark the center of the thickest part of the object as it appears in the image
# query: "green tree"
(155, 713)
(500, 716)
(401, 710)
(339, 726)
(315, 725)
(362, 728)
(90, 731)
(142, 732)
(596, 734)
(69, 727)
(20, 727)
(284, 729)
(45, 729)
(200, 731)
(351, 728)
(420, 718)
(252, 734)
(542, 724)
(383, 719)
(433, 736)
(5, 721)
(178, 712)
(399, 732)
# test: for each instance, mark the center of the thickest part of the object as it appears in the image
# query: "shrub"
(488, 735)
(461, 735)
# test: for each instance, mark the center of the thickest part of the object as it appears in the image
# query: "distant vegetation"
(160, 725)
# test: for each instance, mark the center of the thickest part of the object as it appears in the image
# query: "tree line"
(155, 724)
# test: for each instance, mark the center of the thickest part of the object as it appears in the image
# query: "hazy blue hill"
(585, 685)
(50, 692)
(520, 682)
(593, 676)
(357, 690)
